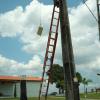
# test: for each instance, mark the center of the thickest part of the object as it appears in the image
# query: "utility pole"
(98, 14)
(67, 54)
(71, 82)
(23, 88)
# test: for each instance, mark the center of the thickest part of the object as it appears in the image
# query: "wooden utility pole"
(23, 88)
(67, 54)
(71, 83)
(15, 90)
(98, 14)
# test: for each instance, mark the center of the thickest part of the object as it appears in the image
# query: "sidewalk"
(89, 99)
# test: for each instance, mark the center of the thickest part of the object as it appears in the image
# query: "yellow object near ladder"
(40, 29)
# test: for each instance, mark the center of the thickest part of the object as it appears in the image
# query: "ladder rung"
(53, 32)
(51, 45)
(55, 18)
(49, 58)
(50, 52)
(56, 11)
(52, 38)
(54, 25)
(47, 65)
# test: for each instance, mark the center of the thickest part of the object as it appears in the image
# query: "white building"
(10, 85)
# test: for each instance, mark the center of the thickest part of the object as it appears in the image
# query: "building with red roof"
(10, 85)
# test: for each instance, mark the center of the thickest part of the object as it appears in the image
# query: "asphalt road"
(89, 99)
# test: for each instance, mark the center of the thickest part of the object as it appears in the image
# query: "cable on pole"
(40, 28)
(84, 1)
(98, 20)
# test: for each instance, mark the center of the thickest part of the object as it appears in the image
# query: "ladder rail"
(50, 70)
(52, 58)
(41, 84)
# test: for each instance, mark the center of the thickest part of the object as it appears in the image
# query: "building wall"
(18, 89)
(32, 89)
(6, 89)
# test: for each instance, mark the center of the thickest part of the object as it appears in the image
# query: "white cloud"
(12, 67)
(10, 24)
(25, 23)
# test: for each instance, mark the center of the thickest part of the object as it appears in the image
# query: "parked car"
(53, 93)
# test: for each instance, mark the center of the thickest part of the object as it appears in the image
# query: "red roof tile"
(18, 78)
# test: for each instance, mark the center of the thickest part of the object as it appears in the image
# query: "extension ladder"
(50, 51)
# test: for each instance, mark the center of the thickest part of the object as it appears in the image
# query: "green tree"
(85, 82)
(57, 77)
(79, 77)
(60, 85)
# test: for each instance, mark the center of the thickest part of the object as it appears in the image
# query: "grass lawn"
(49, 98)
(89, 96)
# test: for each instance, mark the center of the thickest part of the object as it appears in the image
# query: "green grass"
(89, 96)
(49, 98)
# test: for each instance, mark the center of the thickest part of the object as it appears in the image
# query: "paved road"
(89, 99)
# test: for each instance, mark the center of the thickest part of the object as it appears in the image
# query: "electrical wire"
(40, 10)
(84, 1)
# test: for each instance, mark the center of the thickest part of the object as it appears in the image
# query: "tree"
(60, 85)
(79, 77)
(85, 82)
(57, 77)
(57, 73)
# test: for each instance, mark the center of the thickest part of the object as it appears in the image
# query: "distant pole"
(67, 54)
(76, 89)
(98, 14)
(23, 89)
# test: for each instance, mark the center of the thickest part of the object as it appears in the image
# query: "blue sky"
(23, 50)
(6, 5)
(11, 47)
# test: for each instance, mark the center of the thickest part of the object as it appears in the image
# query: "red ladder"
(50, 50)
